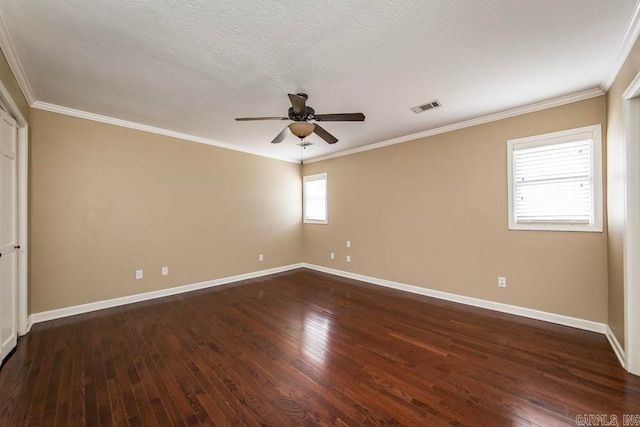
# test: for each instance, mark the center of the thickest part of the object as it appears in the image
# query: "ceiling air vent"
(424, 107)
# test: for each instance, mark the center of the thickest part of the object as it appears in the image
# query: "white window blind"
(315, 198)
(554, 181)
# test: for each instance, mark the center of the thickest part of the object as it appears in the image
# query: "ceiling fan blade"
(322, 133)
(343, 117)
(299, 103)
(246, 119)
(281, 136)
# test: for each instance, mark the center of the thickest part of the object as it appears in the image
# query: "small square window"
(314, 195)
(555, 181)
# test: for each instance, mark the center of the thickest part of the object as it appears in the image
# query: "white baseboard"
(100, 305)
(559, 319)
(617, 348)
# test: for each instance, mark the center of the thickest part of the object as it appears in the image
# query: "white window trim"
(596, 173)
(315, 177)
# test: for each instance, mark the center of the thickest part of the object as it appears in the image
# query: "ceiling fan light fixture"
(302, 129)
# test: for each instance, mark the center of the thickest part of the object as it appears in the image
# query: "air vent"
(424, 107)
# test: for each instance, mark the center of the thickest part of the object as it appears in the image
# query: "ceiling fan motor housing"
(302, 117)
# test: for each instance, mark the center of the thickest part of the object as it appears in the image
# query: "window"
(314, 195)
(555, 181)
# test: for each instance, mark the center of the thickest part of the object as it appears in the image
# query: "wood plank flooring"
(308, 349)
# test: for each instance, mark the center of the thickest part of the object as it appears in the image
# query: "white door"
(8, 235)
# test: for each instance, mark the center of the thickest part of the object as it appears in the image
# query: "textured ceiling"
(193, 66)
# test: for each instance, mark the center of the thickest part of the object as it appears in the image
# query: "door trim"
(631, 236)
(23, 214)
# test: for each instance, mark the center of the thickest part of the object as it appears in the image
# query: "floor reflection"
(316, 330)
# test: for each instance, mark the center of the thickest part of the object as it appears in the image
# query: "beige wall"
(11, 84)
(107, 200)
(433, 213)
(615, 207)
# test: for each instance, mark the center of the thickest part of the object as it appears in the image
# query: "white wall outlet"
(333, 256)
(260, 257)
(348, 243)
(165, 271)
(138, 274)
(502, 282)
(348, 258)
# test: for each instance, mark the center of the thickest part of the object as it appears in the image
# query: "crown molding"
(629, 39)
(146, 128)
(556, 102)
(14, 63)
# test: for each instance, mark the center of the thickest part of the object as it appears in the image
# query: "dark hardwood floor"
(306, 348)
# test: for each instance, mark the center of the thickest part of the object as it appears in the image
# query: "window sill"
(313, 221)
(540, 226)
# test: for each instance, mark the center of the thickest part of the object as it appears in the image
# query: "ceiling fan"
(301, 114)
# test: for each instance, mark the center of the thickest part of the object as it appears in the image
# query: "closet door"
(8, 235)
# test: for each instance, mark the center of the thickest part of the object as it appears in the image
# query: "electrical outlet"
(260, 257)
(502, 282)
(348, 258)
(165, 271)
(348, 243)
(333, 256)
(138, 274)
